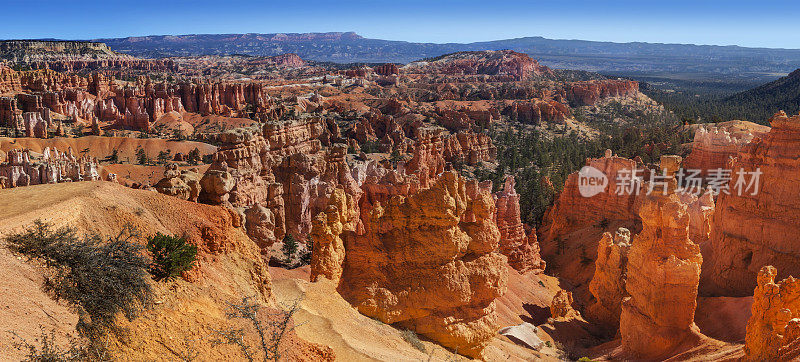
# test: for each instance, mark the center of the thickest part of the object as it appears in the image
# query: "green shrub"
(98, 278)
(164, 156)
(171, 256)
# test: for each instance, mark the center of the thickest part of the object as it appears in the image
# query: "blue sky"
(733, 22)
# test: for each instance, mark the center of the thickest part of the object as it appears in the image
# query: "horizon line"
(101, 40)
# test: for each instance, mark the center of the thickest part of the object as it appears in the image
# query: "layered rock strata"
(22, 169)
(521, 248)
(759, 226)
(772, 330)
(608, 284)
(662, 276)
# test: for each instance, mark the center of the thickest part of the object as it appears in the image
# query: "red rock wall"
(587, 93)
(572, 226)
(9, 80)
(752, 231)
(775, 309)
(663, 272)
(426, 262)
(712, 148)
(521, 249)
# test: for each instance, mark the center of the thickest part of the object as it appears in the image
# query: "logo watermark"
(592, 181)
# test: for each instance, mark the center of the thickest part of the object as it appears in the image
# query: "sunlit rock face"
(521, 249)
(772, 330)
(759, 226)
(423, 259)
(663, 272)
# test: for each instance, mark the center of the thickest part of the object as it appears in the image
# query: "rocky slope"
(228, 267)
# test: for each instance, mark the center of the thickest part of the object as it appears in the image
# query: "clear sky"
(761, 23)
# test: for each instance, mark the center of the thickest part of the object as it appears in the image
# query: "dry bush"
(99, 278)
(47, 350)
(413, 339)
(270, 327)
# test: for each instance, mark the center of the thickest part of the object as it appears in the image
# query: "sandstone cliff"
(574, 223)
(758, 227)
(587, 93)
(775, 307)
(424, 259)
(713, 146)
(608, 283)
(516, 66)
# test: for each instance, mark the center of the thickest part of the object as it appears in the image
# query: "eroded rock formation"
(772, 325)
(521, 249)
(182, 184)
(587, 93)
(508, 63)
(574, 223)
(608, 284)
(329, 252)
(426, 262)
(712, 147)
(662, 276)
(9, 80)
(23, 169)
(758, 227)
(561, 305)
(536, 111)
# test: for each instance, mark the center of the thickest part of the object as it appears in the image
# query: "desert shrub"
(47, 350)
(98, 278)
(412, 339)
(270, 327)
(568, 351)
(171, 256)
(113, 157)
